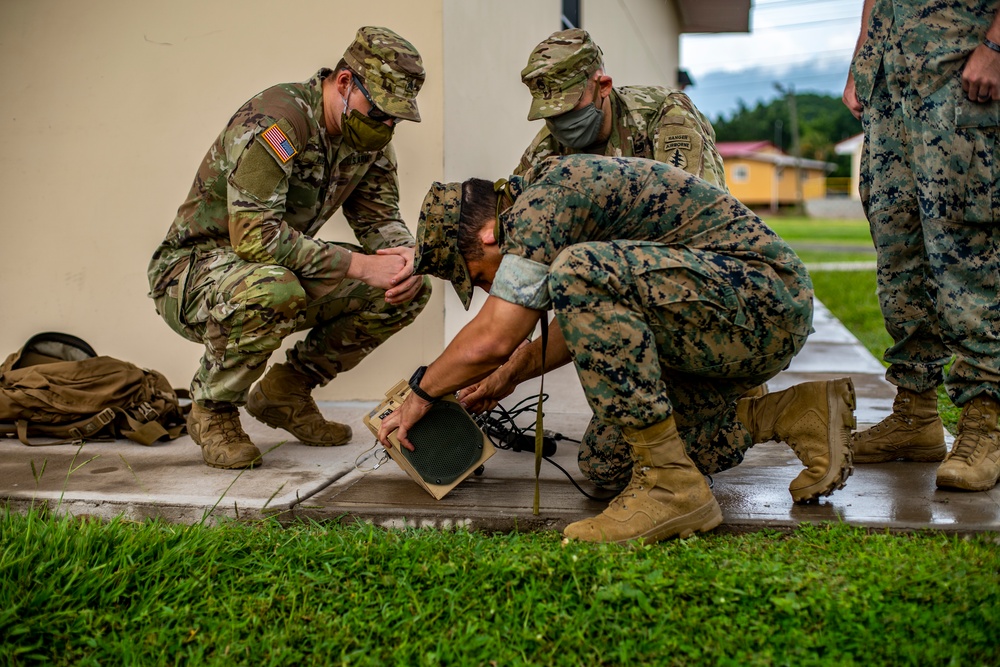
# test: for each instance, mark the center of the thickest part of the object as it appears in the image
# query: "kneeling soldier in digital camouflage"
(241, 269)
(672, 300)
(583, 113)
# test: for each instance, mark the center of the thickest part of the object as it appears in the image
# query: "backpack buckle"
(102, 419)
(99, 421)
(147, 411)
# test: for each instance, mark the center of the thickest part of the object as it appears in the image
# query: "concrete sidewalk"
(169, 480)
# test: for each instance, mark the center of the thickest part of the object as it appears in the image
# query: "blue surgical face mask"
(577, 129)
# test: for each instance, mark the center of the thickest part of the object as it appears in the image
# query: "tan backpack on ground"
(56, 386)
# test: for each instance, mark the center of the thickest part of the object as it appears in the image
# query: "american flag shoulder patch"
(280, 143)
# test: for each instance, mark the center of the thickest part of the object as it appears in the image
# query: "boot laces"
(228, 423)
(970, 433)
(890, 421)
(636, 484)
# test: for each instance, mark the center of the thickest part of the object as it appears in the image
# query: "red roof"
(740, 148)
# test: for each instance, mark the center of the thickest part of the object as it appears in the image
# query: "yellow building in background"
(760, 174)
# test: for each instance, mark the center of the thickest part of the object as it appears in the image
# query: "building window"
(570, 14)
(741, 173)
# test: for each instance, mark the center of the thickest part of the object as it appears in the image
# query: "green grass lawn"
(815, 230)
(85, 592)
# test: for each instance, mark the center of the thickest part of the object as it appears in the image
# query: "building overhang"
(714, 15)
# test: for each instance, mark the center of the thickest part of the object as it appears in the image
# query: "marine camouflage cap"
(437, 251)
(557, 70)
(391, 69)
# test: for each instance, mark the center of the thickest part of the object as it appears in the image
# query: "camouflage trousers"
(655, 330)
(929, 185)
(242, 311)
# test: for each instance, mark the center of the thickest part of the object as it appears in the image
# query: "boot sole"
(842, 422)
(702, 520)
(256, 463)
(961, 485)
(933, 454)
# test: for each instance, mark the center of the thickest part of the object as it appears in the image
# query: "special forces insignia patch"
(675, 146)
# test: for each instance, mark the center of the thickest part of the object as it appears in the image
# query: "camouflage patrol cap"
(391, 69)
(557, 70)
(437, 251)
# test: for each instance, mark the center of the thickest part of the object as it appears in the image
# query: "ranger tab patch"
(280, 143)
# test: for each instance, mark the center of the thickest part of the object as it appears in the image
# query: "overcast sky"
(783, 32)
(803, 44)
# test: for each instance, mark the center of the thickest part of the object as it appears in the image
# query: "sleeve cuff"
(522, 282)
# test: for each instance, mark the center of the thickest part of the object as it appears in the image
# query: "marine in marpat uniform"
(925, 82)
(241, 268)
(672, 300)
(584, 113)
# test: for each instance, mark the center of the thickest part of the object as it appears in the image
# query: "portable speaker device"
(448, 445)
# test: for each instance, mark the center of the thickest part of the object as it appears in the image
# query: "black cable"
(500, 426)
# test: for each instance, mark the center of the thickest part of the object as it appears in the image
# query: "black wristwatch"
(414, 383)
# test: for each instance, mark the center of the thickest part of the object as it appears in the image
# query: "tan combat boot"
(815, 419)
(913, 432)
(974, 461)
(667, 497)
(283, 399)
(223, 442)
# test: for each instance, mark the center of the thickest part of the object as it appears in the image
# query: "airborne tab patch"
(280, 143)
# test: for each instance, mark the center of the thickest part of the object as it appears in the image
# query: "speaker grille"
(447, 442)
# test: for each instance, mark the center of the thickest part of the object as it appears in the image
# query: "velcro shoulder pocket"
(258, 173)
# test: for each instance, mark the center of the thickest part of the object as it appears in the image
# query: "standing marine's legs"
(958, 153)
(906, 293)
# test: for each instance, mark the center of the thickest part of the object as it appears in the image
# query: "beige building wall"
(109, 106)
(486, 128)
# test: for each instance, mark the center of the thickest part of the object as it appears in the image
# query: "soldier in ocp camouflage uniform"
(672, 300)
(584, 113)
(926, 83)
(241, 268)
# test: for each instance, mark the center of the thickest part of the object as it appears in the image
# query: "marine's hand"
(402, 420)
(981, 75)
(486, 394)
(850, 97)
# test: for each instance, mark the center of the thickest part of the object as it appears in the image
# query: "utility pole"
(789, 94)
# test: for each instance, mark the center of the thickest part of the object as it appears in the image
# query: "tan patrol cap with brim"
(391, 69)
(437, 252)
(557, 70)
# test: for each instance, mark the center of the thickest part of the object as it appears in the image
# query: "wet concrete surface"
(169, 480)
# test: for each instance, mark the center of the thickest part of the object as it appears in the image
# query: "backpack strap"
(92, 426)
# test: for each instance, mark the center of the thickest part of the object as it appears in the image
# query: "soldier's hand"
(376, 270)
(405, 284)
(981, 75)
(404, 291)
